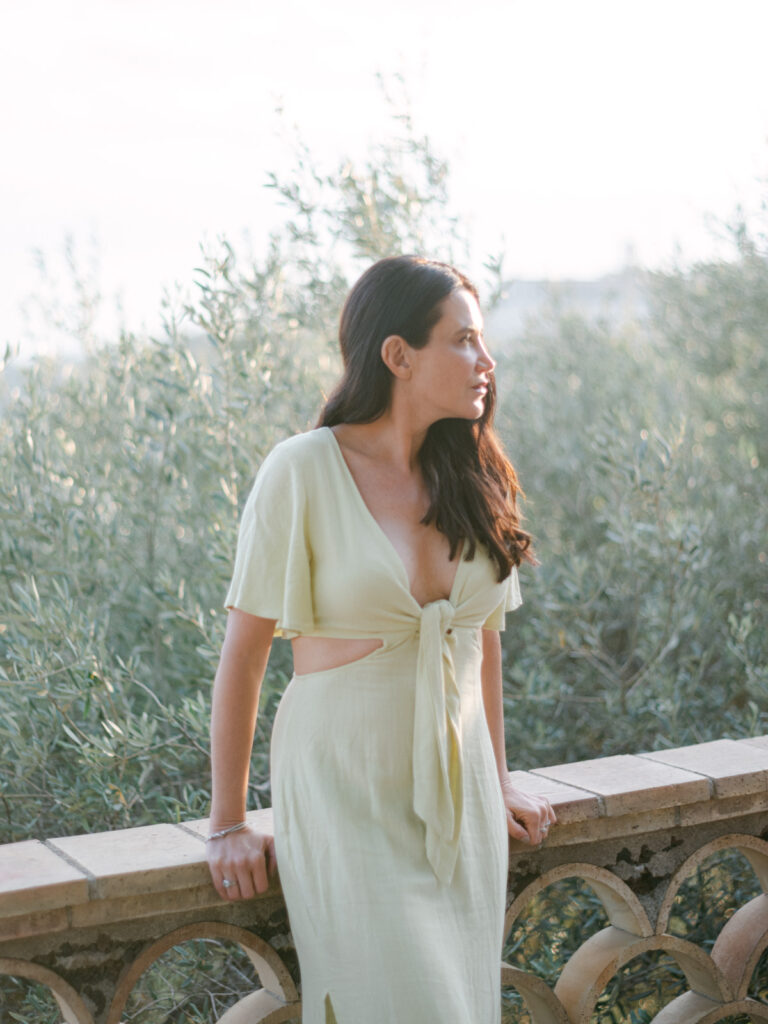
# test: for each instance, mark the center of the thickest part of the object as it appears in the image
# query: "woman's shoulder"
(299, 448)
(297, 457)
(293, 470)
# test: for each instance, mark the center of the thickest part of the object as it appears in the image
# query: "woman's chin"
(473, 416)
(471, 411)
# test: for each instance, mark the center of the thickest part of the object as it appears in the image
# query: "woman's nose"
(485, 359)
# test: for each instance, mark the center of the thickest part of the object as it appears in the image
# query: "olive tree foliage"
(122, 477)
(643, 448)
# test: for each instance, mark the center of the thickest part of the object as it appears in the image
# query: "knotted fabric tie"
(437, 769)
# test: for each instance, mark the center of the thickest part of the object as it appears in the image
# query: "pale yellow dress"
(390, 828)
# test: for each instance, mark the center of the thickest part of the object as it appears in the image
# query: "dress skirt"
(379, 936)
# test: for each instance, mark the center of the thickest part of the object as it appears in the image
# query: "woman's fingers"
(516, 829)
(533, 825)
(245, 888)
(239, 866)
(547, 818)
(225, 883)
(233, 887)
(218, 884)
(259, 872)
(550, 818)
(529, 818)
(542, 821)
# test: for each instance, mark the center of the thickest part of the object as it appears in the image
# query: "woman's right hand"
(245, 858)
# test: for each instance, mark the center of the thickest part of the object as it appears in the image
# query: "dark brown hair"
(472, 486)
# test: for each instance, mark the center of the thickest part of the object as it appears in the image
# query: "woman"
(385, 543)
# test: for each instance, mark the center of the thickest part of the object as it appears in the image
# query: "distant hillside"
(614, 298)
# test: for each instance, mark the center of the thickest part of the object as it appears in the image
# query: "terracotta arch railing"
(87, 915)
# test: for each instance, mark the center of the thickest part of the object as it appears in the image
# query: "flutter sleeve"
(511, 599)
(272, 574)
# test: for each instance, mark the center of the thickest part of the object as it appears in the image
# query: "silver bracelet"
(226, 831)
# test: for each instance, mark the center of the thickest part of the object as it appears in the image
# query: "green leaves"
(636, 444)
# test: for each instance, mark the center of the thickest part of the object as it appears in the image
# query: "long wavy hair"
(473, 488)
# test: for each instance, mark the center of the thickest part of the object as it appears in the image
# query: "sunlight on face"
(451, 373)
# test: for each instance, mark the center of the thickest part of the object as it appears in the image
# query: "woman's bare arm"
(526, 814)
(243, 856)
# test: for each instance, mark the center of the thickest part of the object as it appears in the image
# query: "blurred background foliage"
(641, 442)
(643, 448)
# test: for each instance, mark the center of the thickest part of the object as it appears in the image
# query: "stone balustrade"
(87, 915)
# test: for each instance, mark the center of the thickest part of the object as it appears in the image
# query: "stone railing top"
(87, 880)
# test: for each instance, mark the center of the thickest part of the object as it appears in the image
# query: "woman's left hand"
(528, 817)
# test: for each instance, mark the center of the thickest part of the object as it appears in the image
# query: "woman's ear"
(395, 354)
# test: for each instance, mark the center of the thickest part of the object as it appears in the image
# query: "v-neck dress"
(390, 828)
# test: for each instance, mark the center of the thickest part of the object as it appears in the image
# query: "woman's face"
(450, 373)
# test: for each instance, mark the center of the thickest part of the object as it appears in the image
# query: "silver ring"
(227, 884)
(545, 828)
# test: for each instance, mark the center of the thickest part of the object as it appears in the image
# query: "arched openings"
(64, 1003)
(580, 972)
(548, 922)
(275, 1002)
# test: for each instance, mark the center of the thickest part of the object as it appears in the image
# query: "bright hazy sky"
(574, 129)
